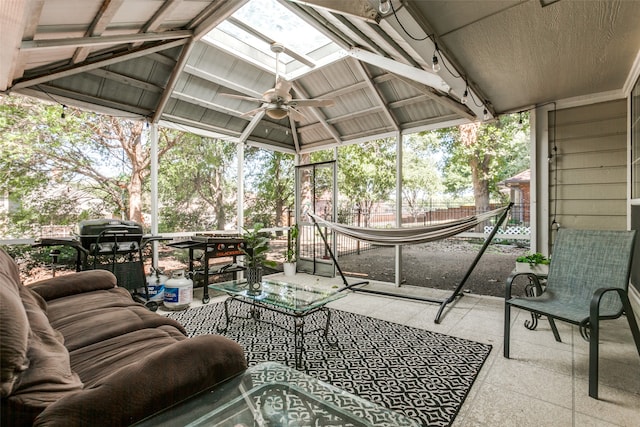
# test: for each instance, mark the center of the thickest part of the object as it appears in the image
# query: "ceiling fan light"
(384, 7)
(277, 112)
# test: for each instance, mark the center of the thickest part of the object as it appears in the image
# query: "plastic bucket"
(178, 291)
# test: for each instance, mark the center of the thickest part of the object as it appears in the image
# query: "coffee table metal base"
(299, 323)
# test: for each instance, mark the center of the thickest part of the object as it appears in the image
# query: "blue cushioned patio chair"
(587, 282)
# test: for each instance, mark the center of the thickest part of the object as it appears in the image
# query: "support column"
(540, 179)
(398, 254)
(240, 187)
(334, 202)
(153, 135)
(240, 196)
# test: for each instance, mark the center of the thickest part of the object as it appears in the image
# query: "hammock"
(408, 235)
(411, 235)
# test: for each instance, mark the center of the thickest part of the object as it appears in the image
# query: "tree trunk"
(280, 211)
(479, 164)
(221, 218)
(139, 159)
(135, 198)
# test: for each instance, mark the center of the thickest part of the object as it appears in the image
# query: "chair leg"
(507, 328)
(554, 329)
(631, 318)
(594, 321)
(593, 356)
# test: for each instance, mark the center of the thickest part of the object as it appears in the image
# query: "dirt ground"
(440, 265)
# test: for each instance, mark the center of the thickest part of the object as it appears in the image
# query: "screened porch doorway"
(316, 192)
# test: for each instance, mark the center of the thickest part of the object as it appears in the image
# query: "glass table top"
(290, 296)
(271, 394)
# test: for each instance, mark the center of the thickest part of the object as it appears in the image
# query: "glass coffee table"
(296, 301)
(271, 394)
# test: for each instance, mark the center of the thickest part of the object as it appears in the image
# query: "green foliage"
(500, 150)
(270, 183)
(36, 147)
(95, 157)
(60, 171)
(29, 257)
(257, 245)
(196, 182)
(292, 238)
(533, 259)
(366, 172)
(421, 180)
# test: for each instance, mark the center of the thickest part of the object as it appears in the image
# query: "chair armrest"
(512, 277)
(149, 385)
(594, 307)
(76, 283)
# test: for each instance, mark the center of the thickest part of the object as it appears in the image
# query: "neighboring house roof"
(523, 177)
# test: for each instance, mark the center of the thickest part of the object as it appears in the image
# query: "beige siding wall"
(634, 297)
(590, 191)
(587, 182)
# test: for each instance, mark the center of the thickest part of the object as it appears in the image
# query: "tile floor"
(544, 383)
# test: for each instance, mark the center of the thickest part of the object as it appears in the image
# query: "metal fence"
(379, 216)
(384, 216)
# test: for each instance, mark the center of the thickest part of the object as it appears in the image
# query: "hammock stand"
(441, 231)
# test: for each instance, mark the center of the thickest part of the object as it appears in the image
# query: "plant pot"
(289, 269)
(538, 269)
(254, 280)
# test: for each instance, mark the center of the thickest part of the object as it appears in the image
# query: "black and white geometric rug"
(424, 375)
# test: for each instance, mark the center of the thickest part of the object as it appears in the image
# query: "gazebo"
(389, 67)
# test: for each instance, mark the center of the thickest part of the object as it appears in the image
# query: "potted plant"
(535, 263)
(290, 255)
(255, 256)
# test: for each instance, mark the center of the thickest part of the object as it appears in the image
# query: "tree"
(39, 190)
(196, 182)
(479, 155)
(271, 178)
(367, 172)
(100, 155)
(420, 177)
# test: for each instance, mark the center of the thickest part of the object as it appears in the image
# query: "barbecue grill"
(106, 236)
(116, 245)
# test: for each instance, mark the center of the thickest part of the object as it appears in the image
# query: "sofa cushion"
(49, 376)
(14, 328)
(87, 303)
(72, 284)
(96, 361)
(86, 328)
(150, 384)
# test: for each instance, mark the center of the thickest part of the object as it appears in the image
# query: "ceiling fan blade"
(311, 103)
(246, 98)
(252, 112)
(296, 114)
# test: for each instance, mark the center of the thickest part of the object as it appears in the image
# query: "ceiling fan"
(278, 102)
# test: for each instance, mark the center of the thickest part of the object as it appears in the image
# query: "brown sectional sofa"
(77, 350)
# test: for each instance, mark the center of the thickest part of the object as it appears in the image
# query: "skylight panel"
(278, 23)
